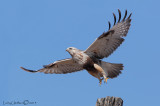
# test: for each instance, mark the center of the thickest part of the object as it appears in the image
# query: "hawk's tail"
(111, 69)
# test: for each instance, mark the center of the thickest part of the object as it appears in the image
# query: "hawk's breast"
(81, 58)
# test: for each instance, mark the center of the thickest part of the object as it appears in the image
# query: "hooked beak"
(67, 49)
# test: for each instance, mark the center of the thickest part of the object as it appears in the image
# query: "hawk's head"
(72, 50)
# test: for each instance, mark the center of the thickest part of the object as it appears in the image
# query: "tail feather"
(112, 69)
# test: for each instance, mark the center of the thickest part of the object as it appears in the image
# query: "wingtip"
(119, 15)
(109, 25)
(129, 15)
(114, 18)
(28, 70)
(124, 16)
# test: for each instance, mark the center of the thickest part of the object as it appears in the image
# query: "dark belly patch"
(91, 70)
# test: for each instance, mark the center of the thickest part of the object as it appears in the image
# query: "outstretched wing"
(109, 41)
(59, 67)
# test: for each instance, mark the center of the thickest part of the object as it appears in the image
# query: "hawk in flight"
(91, 58)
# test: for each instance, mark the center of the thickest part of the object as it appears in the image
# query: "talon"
(105, 80)
(100, 83)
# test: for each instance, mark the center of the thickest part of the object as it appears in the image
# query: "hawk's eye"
(70, 48)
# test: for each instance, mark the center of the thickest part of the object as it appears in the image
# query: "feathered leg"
(99, 69)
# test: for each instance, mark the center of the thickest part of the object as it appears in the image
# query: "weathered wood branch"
(109, 101)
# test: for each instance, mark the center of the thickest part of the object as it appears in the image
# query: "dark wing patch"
(106, 34)
(59, 67)
(109, 41)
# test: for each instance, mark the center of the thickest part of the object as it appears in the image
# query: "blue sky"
(35, 33)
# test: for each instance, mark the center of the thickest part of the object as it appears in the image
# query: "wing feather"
(109, 41)
(59, 67)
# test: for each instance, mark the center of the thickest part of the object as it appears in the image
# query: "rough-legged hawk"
(90, 59)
